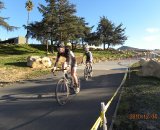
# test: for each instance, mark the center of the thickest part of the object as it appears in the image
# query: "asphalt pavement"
(31, 104)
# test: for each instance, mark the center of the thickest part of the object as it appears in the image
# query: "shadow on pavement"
(39, 112)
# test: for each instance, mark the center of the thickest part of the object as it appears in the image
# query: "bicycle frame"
(64, 88)
(87, 70)
(88, 65)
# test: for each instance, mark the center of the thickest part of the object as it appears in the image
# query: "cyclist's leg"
(91, 70)
(90, 65)
(87, 65)
(74, 74)
(64, 66)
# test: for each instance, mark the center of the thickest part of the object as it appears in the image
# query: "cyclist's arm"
(55, 64)
(91, 57)
(57, 59)
(69, 55)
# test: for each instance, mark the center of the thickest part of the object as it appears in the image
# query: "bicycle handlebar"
(60, 69)
(57, 70)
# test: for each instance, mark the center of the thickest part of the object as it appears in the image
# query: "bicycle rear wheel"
(62, 92)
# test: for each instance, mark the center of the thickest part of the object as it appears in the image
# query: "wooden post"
(103, 116)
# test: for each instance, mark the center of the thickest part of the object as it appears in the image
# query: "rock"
(39, 62)
(31, 59)
(151, 68)
(46, 61)
(142, 61)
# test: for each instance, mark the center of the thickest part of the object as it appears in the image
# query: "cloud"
(152, 30)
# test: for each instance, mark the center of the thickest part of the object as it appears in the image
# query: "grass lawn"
(139, 108)
(13, 60)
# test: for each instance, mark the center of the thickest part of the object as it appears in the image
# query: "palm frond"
(6, 25)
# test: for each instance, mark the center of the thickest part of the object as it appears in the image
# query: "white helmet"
(86, 48)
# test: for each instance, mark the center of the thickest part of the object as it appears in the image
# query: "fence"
(102, 120)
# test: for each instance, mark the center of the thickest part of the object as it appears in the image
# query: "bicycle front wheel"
(90, 71)
(86, 73)
(62, 92)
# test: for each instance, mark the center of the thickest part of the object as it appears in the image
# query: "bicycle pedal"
(71, 91)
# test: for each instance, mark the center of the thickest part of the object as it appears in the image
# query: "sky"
(140, 18)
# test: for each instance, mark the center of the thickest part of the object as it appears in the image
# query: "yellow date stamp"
(137, 116)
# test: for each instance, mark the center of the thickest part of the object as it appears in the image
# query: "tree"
(37, 30)
(93, 39)
(29, 6)
(80, 30)
(110, 34)
(3, 23)
(59, 23)
(119, 35)
(105, 31)
(59, 16)
(84, 29)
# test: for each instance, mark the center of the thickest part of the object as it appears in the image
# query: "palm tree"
(3, 23)
(29, 7)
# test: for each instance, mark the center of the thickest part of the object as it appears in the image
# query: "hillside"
(13, 60)
(125, 48)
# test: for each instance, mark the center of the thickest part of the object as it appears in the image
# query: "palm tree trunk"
(108, 45)
(27, 29)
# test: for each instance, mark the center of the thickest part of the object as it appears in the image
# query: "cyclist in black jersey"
(88, 55)
(70, 62)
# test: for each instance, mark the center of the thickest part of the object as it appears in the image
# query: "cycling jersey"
(70, 58)
(89, 57)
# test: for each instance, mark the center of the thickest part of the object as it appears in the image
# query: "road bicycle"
(65, 88)
(88, 71)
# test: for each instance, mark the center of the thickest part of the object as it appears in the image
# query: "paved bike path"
(30, 105)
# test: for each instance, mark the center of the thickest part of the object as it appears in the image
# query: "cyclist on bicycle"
(88, 55)
(70, 62)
